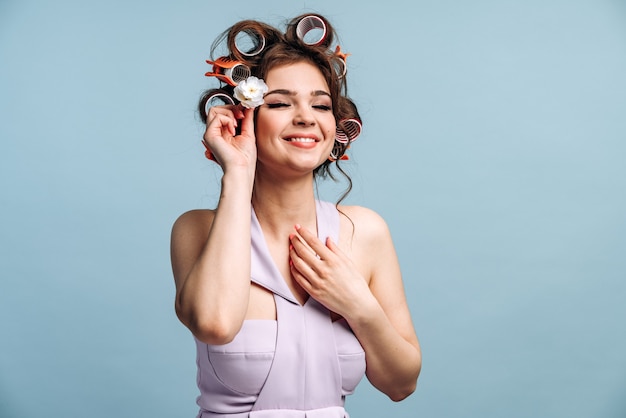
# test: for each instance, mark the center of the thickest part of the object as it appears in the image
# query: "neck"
(281, 203)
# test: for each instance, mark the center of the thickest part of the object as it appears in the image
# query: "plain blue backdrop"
(494, 145)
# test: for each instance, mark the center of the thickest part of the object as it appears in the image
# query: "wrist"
(365, 312)
(238, 180)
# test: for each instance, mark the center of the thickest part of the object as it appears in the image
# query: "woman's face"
(295, 127)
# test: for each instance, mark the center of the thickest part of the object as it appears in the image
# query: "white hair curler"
(340, 67)
(217, 99)
(249, 42)
(312, 30)
(238, 73)
(229, 71)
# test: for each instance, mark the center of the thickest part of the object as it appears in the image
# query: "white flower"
(250, 92)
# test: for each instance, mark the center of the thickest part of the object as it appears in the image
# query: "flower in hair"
(250, 92)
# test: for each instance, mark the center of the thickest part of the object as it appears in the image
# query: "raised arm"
(210, 250)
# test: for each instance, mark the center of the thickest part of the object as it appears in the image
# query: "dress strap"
(263, 270)
(327, 221)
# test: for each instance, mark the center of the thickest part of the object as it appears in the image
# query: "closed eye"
(277, 105)
(322, 107)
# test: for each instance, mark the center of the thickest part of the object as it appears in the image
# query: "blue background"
(494, 145)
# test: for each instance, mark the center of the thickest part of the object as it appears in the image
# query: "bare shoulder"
(365, 237)
(189, 234)
(194, 219)
(365, 223)
(191, 229)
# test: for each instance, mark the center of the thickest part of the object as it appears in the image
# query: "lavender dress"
(301, 366)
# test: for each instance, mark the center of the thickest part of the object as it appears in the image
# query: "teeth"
(301, 139)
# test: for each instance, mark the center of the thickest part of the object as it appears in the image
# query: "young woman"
(290, 299)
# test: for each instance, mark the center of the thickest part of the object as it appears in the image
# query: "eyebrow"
(293, 93)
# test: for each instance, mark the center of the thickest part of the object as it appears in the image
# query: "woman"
(290, 300)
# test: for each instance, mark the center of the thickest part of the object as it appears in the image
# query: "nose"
(303, 116)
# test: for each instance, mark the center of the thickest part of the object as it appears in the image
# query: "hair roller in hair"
(229, 70)
(338, 152)
(218, 98)
(312, 30)
(348, 130)
(248, 42)
(339, 64)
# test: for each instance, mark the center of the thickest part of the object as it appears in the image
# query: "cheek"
(331, 131)
(263, 127)
(331, 141)
(332, 134)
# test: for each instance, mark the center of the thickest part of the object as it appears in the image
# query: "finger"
(207, 153)
(237, 111)
(311, 241)
(231, 110)
(220, 121)
(302, 280)
(247, 123)
(334, 248)
(302, 249)
(300, 270)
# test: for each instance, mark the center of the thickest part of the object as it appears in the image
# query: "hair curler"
(339, 62)
(338, 149)
(229, 70)
(348, 130)
(217, 99)
(311, 30)
(249, 42)
(340, 66)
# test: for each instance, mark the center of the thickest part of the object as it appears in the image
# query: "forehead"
(296, 77)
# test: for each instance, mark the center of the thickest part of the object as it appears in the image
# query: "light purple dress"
(301, 366)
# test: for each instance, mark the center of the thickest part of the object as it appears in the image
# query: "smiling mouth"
(300, 140)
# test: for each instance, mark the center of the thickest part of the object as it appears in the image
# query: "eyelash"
(276, 105)
(279, 105)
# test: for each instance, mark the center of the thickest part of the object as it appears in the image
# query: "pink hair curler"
(337, 148)
(348, 130)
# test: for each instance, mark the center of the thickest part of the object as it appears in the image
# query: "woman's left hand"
(327, 274)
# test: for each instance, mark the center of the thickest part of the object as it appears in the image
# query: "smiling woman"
(291, 300)
(297, 116)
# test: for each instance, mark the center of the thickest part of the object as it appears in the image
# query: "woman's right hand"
(230, 149)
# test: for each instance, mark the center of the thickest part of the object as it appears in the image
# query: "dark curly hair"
(271, 48)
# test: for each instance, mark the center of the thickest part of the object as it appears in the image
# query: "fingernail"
(297, 226)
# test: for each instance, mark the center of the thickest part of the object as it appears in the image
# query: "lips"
(300, 139)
